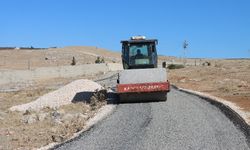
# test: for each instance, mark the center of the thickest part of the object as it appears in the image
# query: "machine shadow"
(82, 97)
(111, 98)
(85, 97)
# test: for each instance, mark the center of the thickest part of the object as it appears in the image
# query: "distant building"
(2, 48)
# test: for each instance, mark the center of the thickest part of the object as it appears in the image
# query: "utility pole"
(185, 45)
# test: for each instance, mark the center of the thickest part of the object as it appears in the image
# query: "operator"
(139, 54)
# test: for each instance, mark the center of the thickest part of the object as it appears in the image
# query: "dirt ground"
(227, 79)
(29, 130)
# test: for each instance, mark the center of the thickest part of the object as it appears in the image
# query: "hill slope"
(26, 59)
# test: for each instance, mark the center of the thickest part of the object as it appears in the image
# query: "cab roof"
(140, 41)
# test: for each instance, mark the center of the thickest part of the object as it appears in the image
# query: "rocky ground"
(32, 128)
(227, 79)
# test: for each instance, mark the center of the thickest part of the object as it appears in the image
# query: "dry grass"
(228, 79)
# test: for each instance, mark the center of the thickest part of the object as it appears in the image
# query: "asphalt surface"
(182, 122)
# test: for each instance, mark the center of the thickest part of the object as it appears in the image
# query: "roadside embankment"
(15, 76)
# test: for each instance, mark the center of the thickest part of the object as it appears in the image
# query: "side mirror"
(153, 49)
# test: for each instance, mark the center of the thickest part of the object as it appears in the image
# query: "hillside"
(28, 59)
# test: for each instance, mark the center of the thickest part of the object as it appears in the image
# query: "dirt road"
(183, 122)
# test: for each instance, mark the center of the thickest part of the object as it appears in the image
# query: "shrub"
(164, 64)
(73, 61)
(175, 66)
(98, 96)
(99, 60)
(206, 63)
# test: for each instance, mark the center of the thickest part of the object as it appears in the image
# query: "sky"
(212, 28)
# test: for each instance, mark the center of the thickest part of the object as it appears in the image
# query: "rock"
(27, 112)
(244, 83)
(56, 118)
(183, 80)
(42, 116)
(195, 80)
(61, 111)
(67, 118)
(82, 116)
(56, 138)
(29, 119)
(2, 115)
(56, 122)
(55, 115)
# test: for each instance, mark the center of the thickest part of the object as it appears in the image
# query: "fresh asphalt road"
(182, 122)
